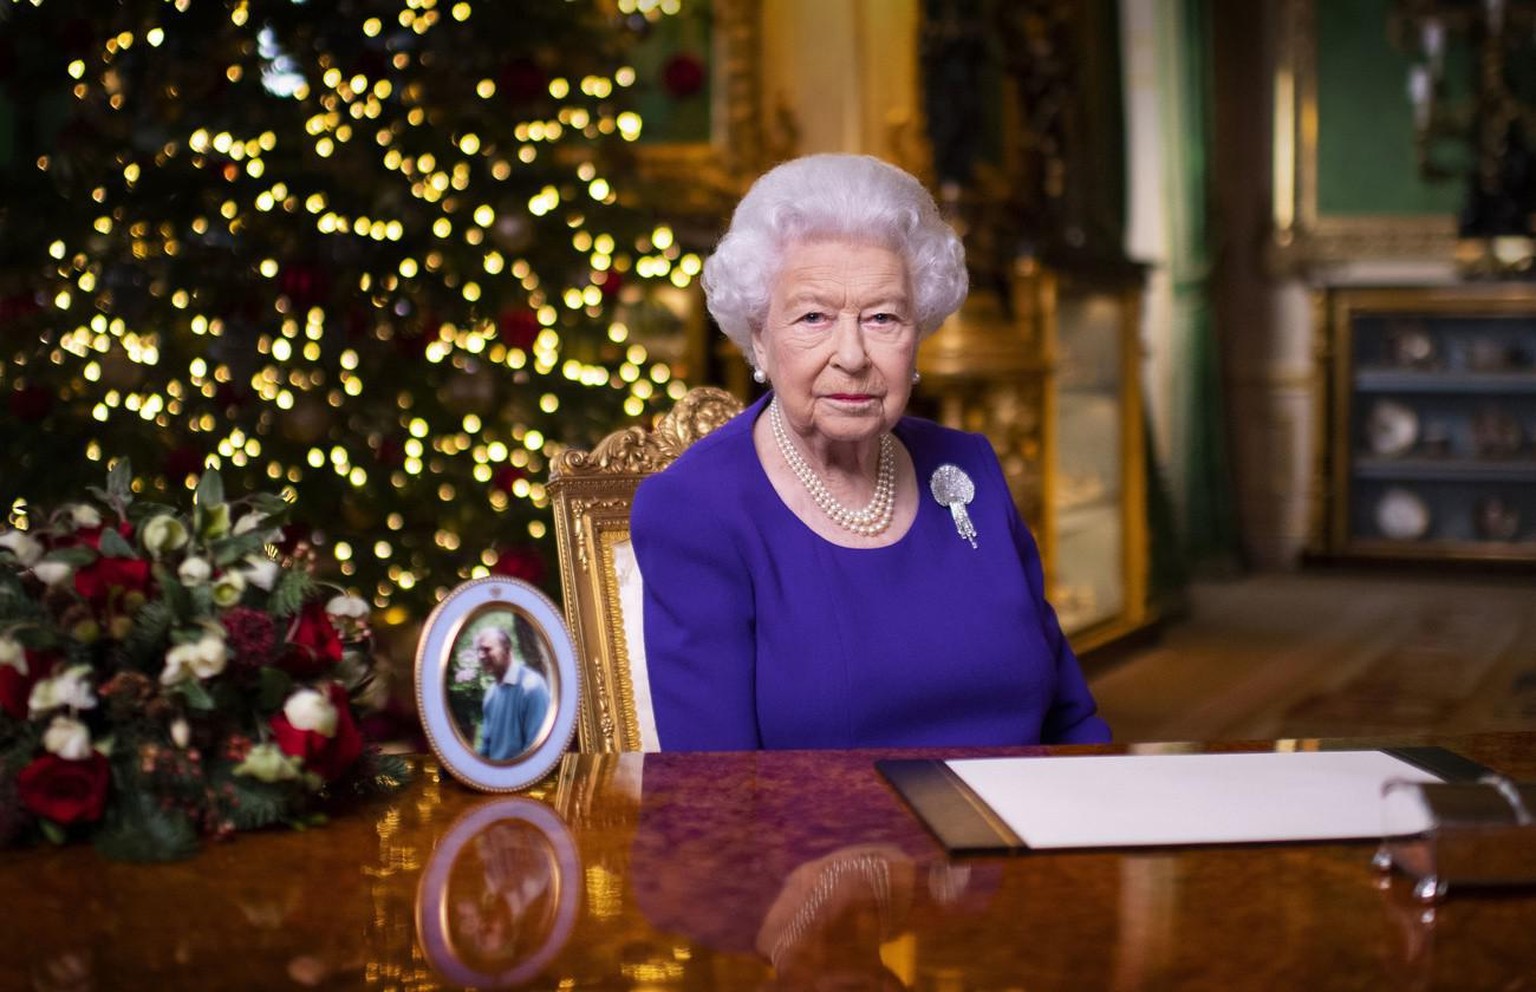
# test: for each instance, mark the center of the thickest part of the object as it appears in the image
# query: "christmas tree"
(375, 256)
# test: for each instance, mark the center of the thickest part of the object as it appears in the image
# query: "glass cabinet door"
(1093, 517)
(1086, 490)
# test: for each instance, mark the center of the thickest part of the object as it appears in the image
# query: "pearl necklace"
(871, 869)
(869, 521)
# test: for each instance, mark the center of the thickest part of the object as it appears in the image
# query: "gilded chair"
(592, 492)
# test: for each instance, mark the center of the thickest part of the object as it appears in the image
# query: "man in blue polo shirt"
(516, 702)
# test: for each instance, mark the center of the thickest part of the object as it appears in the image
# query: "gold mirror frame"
(1302, 236)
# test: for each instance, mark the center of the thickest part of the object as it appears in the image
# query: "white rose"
(163, 533)
(178, 664)
(194, 571)
(209, 656)
(228, 587)
(181, 734)
(70, 688)
(309, 709)
(262, 572)
(13, 654)
(84, 516)
(348, 606)
(23, 546)
(203, 658)
(52, 573)
(68, 738)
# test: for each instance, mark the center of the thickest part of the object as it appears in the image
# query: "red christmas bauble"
(305, 285)
(520, 562)
(522, 80)
(389, 452)
(610, 282)
(505, 476)
(517, 327)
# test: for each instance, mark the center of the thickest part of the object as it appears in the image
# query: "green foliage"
(258, 804)
(138, 828)
(113, 546)
(233, 549)
(144, 647)
(272, 689)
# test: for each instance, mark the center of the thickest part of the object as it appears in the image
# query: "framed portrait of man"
(496, 683)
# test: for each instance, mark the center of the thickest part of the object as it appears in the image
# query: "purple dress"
(759, 633)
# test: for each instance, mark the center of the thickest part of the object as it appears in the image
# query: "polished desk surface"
(753, 871)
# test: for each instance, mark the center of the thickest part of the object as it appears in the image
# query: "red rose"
(327, 757)
(312, 644)
(16, 688)
(103, 577)
(65, 791)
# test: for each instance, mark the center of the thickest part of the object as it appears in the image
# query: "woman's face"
(839, 341)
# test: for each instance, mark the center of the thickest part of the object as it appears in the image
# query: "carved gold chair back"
(592, 492)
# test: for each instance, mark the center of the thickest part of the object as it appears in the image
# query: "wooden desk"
(689, 871)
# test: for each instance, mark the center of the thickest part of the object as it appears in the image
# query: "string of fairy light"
(349, 109)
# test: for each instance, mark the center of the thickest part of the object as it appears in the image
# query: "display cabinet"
(1429, 419)
(1093, 515)
(1051, 377)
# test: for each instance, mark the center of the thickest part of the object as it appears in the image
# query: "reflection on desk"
(752, 871)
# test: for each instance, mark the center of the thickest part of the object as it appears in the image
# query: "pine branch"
(257, 804)
(291, 593)
(137, 828)
(144, 647)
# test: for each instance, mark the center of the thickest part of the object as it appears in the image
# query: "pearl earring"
(917, 377)
(758, 376)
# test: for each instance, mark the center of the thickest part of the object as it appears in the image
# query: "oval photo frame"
(497, 684)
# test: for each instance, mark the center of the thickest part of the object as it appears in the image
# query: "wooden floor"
(1326, 654)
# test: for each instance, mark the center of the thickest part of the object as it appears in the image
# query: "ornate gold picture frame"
(1304, 233)
(705, 178)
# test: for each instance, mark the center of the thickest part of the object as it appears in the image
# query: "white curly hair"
(857, 198)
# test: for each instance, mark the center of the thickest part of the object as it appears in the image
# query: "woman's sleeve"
(698, 618)
(1072, 717)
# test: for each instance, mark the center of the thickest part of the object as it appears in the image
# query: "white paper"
(1139, 800)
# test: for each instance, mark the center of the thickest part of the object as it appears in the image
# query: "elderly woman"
(823, 571)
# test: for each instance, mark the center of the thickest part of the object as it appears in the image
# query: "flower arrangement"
(164, 678)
